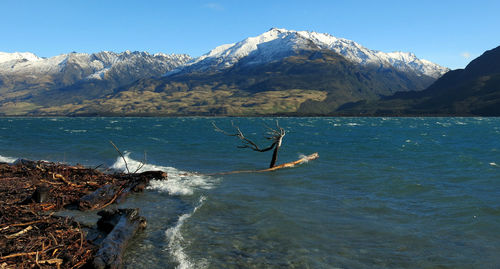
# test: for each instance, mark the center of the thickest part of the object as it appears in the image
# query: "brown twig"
(18, 255)
(111, 201)
(141, 164)
(54, 176)
(26, 223)
(54, 238)
(82, 262)
(47, 207)
(50, 182)
(23, 231)
(58, 262)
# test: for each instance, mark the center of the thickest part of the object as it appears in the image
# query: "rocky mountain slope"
(276, 44)
(474, 90)
(28, 79)
(277, 72)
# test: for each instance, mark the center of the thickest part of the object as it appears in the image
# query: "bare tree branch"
(247, 143)
(275, 135)
(123, 157)
(141, 164)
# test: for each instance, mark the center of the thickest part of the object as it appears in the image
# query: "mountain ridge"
(474, 90)
(76, 76)
(278, 43)
(308, 72)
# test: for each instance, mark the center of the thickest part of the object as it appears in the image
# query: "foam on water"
(178, 183)
(75, 131)
(303, 157)
(176, 241)
(4, 159)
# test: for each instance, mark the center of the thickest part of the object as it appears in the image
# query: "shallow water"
(385, 192)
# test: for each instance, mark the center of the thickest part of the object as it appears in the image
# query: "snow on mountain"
(277, 43)
(96, 64)
(6, 57)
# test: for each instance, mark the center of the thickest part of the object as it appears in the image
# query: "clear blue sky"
(450, 33)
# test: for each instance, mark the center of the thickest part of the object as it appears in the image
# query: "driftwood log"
(32, 237)
(121, 225)
(99, 198)
(110, 193)
(304, 159)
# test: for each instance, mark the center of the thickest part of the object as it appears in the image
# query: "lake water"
(385, 192)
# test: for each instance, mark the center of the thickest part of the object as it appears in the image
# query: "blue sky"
(450, 33)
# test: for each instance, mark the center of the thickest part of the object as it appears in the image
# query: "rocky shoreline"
(31, 192)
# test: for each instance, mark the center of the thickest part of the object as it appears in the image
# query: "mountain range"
(473, 91)
(28, 82)
(280, 72)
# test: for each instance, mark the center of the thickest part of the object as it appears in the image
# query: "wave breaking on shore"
(179, 182)
(4, 159)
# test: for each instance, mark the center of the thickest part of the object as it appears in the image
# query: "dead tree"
(275, 135)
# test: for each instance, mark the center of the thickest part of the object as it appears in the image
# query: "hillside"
(474, 90)
(278, 72)
(28, 82)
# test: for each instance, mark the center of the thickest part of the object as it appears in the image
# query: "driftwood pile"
(32, 237)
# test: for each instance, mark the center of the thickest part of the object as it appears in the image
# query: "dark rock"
(26, 163)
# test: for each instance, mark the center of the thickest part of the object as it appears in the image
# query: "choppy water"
(385, 192)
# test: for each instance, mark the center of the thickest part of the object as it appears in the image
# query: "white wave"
(493, 164)
(176, 241)
(303, 157)
(75, 131)
(4, 159)
(178, 182)
(444, 124)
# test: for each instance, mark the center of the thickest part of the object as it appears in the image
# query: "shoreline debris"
(32, 191)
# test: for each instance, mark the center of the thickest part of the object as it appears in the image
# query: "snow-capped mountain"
(279, 71)
(276, 44)
(17, 56)
(91, 66)
(77, 76)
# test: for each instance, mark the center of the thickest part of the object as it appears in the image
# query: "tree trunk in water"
(275, 156)
(275, 152)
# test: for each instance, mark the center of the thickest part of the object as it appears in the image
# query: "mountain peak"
(278, 43)
(276, 29)
(18, 56)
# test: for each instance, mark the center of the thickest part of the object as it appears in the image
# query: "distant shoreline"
(250, 116)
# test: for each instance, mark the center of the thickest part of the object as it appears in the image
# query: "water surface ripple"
(385, 192)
